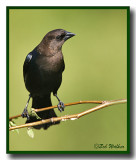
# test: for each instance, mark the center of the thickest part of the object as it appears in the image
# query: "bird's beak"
(68, 35)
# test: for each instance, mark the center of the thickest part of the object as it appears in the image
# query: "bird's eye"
(60, 37)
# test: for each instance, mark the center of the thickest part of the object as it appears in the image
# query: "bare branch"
(51, 107)
(71, 117)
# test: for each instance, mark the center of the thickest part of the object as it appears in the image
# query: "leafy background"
(96, 69)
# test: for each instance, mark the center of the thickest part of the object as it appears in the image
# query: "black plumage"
(42, 73)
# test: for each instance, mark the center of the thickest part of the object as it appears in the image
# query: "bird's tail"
(41, 102)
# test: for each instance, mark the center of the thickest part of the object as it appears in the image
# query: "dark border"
(128, 79)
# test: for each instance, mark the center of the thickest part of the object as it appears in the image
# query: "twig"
(51, 107)
(72, 117)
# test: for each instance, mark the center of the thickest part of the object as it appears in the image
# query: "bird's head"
(59, 35)
(54, 39)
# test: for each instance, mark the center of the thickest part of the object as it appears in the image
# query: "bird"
(42, 72)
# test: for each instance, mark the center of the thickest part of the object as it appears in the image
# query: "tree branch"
(51, 107)
(74, 116)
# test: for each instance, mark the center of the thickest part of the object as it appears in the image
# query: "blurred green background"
(96, 69)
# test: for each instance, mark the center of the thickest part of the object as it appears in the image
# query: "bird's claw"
(25, 114)
(61, 106)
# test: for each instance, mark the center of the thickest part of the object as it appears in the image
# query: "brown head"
(53, 41)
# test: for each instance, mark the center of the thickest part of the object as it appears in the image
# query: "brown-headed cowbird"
(42, 72)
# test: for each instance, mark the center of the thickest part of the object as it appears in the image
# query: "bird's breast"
(50, 64)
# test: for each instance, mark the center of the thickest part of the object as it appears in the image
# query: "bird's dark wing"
(27, 63)
(63, 65)
(30, 58)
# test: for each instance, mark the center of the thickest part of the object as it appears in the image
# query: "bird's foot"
(61, 106)
(25, 113)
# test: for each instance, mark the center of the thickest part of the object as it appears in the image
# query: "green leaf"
(12, 124)
(17, 131)
(30, 132)
(34, 114)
